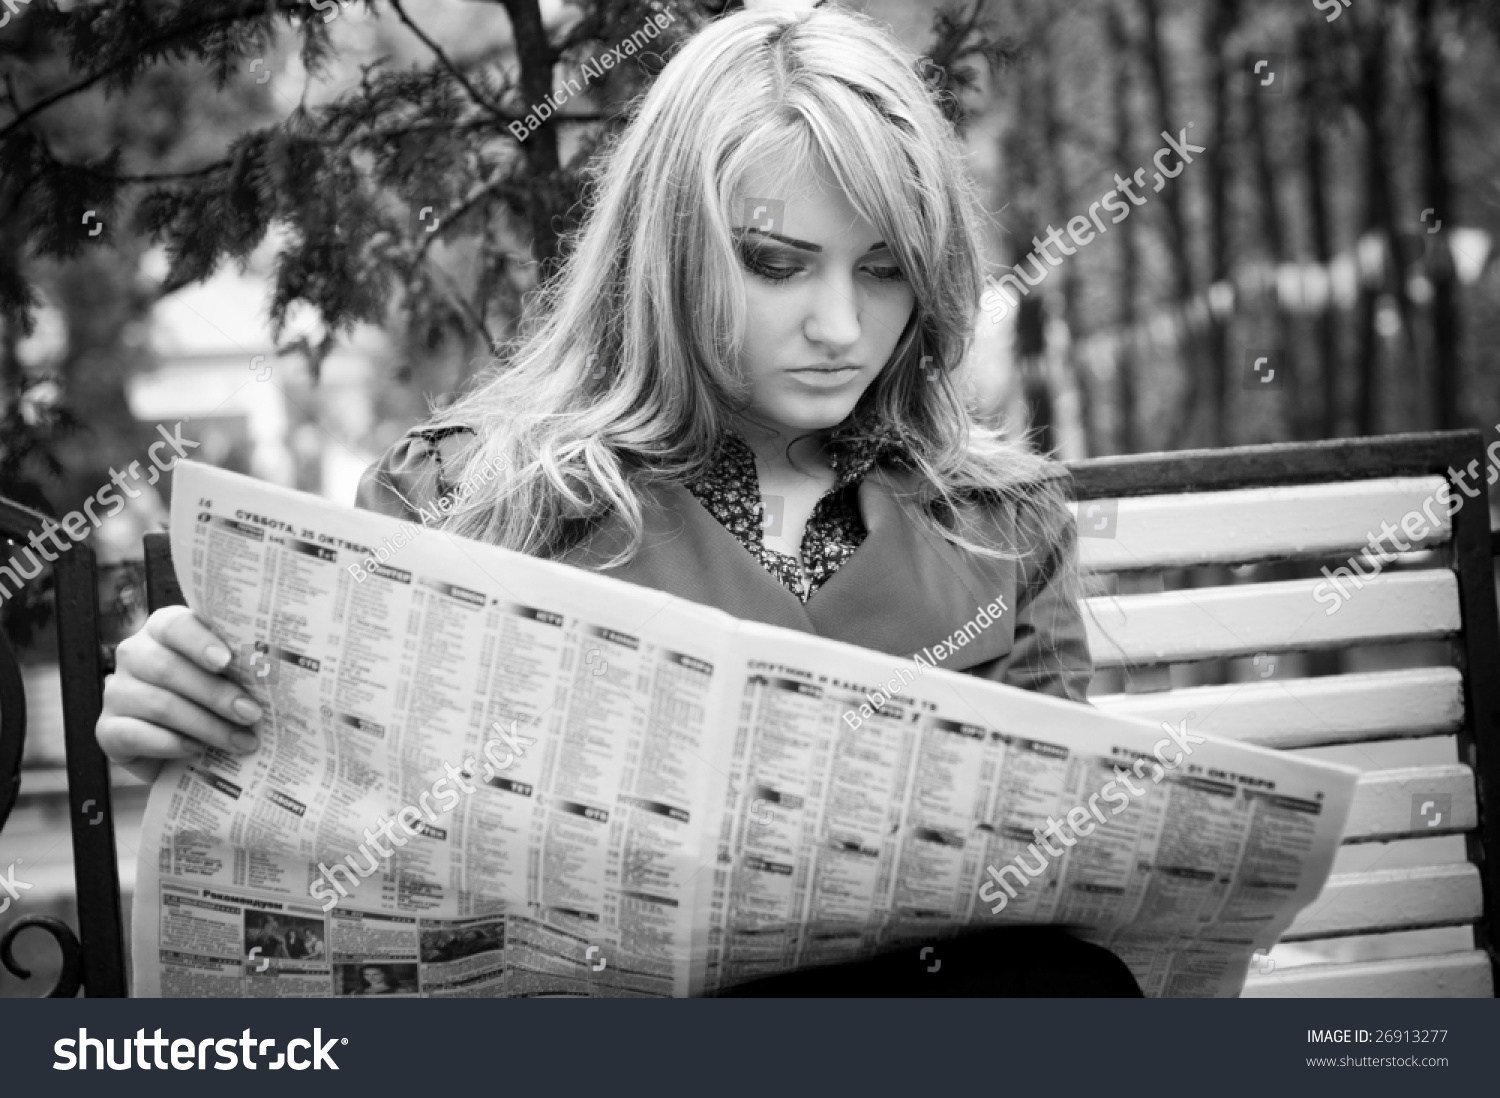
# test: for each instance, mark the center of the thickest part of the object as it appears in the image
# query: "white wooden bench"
(1413, 896)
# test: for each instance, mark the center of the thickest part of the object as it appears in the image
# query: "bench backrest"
(1143, 520)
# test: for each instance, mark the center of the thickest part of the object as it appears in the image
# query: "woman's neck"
(781, 451)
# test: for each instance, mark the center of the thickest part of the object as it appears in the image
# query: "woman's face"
(374, 977)
(825, 300)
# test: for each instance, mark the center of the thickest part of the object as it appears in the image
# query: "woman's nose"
(833, 315)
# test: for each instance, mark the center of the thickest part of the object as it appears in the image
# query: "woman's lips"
(825, 378)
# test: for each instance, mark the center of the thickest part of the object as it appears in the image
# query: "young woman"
(740, 389)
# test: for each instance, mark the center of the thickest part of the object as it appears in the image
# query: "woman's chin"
(808, 415)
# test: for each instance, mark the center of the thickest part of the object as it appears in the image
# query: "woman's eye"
(771, 272)
(775, 268)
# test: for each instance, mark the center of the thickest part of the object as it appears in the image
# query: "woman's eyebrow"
(803, 245)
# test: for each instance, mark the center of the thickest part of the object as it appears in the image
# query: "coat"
(904, 589)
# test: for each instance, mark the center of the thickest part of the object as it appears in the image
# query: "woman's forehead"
(802, 202)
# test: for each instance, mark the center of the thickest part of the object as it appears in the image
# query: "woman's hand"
(169, 698)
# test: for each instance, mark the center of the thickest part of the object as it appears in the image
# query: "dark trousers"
(1021, 962)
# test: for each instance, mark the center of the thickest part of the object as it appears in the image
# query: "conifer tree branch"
(447, 63)
(252, 10)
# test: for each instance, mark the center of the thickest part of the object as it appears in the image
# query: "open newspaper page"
(481, 774)
(881, 803)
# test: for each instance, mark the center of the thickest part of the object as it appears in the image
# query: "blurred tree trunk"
(1380, 217)
(1064, 371)
(1445, 319)
(1029, 342)
(1216, 31)
(1121, 49)
(1023, 154)
(1279, 248)
(1369, 104)
(1311, 91)
(546, 203)
(1031, 368)
(1181, 424)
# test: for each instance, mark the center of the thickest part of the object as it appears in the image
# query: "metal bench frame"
(94, 960)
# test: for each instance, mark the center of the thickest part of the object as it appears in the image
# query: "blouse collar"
(852, 452)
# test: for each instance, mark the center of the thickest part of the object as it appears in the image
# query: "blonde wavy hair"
(625, 375)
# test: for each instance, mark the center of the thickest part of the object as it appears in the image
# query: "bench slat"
(1391, 899)
(1423, 701)
(1444, 976)
(1217, 622)
(1250, 524)
(52, 781)
(1383, 802)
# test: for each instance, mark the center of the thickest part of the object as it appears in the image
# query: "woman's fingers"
(169, 698)
(143, 718)
(176, 655)
(144, 769)
(124, 739)
(178, 628)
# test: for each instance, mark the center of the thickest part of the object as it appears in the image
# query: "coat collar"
(904, 589)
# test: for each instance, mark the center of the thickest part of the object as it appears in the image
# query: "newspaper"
(483, 774)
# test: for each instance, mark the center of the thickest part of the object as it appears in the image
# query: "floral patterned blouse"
(730, 491)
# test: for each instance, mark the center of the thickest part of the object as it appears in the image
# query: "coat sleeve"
(1050, 653)
(410, 477)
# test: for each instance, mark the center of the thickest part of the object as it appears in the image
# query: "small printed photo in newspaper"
(284, 937)
(375, 978)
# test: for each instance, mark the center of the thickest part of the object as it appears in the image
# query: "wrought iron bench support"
(95, 960)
